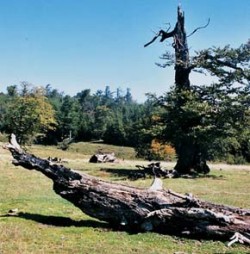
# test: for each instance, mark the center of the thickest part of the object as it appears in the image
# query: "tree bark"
(190, 158)
(138, 209)
(182, 64)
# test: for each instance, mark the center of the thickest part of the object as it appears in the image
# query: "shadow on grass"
(134, 174)
(60, 221)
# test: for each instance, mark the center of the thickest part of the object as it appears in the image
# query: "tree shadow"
(201, 176)
(60, 221)
(131, 174)
(135, 174)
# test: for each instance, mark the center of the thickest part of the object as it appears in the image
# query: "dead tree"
(154, 209)
(189, 152)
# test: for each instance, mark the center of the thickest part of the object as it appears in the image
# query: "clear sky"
(79, 44)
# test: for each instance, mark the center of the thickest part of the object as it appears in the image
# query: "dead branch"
(163, 34)
(198, 28)
(155, 169)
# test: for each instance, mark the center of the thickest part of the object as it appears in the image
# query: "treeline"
(216, 117)
(46, 115)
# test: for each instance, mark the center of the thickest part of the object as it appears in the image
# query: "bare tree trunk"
(137, 209)
(182, 65)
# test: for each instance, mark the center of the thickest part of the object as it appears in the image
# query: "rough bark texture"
(182, 65)
(137, 209)
(154, 169)
(190, 157)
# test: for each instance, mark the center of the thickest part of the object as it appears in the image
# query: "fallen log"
(138, 209)
(102, 158)
(155, 169)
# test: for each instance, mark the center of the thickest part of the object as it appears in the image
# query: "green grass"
(49, 224)
(121, 152)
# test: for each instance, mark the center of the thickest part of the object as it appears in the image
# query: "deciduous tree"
(29, 114)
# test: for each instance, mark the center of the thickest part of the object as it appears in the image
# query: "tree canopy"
(29, 113)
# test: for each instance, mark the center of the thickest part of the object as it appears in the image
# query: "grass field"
(48, 224)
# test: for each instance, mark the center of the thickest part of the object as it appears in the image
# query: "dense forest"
(48, 116)
(44, 115)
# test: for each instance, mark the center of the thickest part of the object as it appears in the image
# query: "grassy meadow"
(46, 223)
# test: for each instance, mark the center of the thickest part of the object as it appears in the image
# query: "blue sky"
(79, 44)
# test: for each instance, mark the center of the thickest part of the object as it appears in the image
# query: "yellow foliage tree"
(162, 151)
(29, 115)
